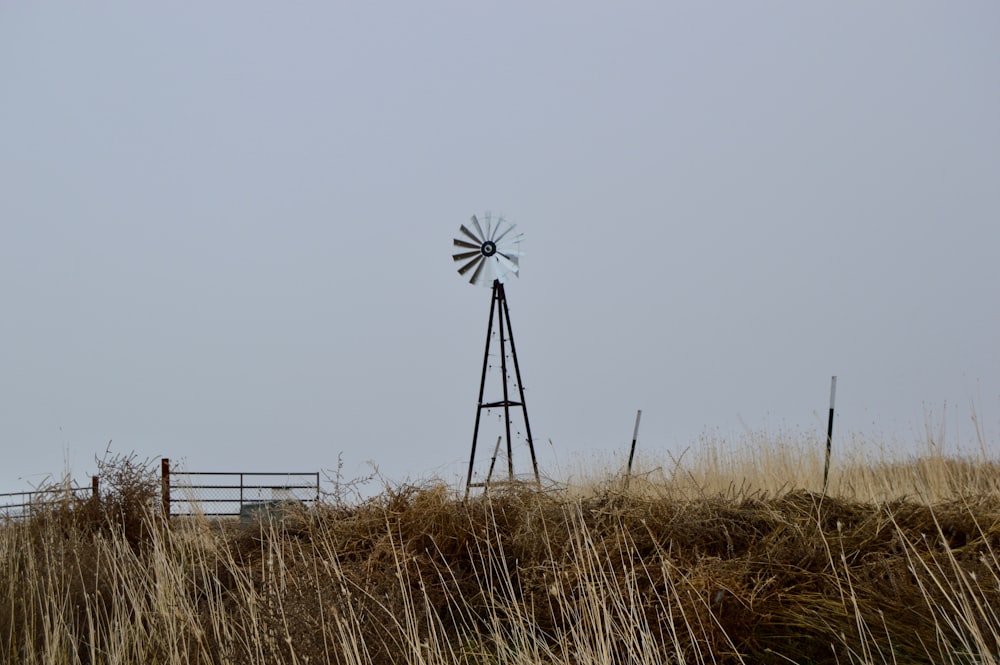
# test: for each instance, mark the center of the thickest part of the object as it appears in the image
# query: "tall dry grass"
(701, 564)
(864, 470)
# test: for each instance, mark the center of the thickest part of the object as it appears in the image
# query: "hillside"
(594, 575)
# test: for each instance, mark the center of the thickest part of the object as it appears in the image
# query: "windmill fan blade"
(464, 269)
(513, 257)
(512, 241)
(490, 272)
(475, 222)
(510, 249)
(479, 269)
(466, 255)
(509, 260)
(461, 243)
(470, 234)
(500, 223)
(506, 231)
(500, 272)
(488, 222)
(507, 263)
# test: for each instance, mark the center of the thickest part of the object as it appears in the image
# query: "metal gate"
(234, 493)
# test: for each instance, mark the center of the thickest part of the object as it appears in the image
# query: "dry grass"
(710, 561)
(774, 464)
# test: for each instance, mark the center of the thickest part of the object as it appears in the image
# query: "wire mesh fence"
(232, 493)
(209, 493)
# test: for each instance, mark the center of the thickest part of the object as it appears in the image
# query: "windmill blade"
(482, 236)
(512, 259)
(512, 241)
(507, 263)
(461, 243)
(506, 231)
(488, 223)
(464, 269)
(500, 272)
(510, 249)
(501, 221)
(470, 233)
(466, 255)
(479, 269)
(490, 272)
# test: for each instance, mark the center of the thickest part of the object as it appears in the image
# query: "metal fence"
(18, 505)
(232, 493)
(209, 493)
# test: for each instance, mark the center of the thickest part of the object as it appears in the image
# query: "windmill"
(491, 254)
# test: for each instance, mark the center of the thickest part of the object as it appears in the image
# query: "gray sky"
(225, 228)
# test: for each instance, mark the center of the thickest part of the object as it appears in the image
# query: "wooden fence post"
(95, 487)
(165, 486)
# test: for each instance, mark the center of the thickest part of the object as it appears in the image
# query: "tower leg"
(520, 388)
(501, 296)
(482, 386)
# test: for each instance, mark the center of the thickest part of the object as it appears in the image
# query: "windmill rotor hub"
(489, 248)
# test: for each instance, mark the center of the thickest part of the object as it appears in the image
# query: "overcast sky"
(225, 227)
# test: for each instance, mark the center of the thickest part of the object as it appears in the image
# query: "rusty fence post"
(631, 453)
(165, 486)
(829, 434)
(95, 487)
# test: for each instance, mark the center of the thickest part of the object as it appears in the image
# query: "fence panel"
(228, 493)
(18, 505)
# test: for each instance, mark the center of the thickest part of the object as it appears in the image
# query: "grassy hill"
(723, 560)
